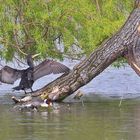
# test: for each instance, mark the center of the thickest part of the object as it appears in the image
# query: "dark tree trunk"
(118, 45)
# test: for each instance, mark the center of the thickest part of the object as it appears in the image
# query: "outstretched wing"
(9, 75)
(48, 67)
(133, 57)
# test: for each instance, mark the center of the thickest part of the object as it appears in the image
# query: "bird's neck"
(31, 65)
(30, 61)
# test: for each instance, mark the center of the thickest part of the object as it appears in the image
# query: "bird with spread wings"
(28, 76)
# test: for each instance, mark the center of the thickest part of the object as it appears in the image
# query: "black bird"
(27, 77)
(32, 73)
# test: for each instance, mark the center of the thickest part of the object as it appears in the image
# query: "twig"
(19, 60)
(120, 103)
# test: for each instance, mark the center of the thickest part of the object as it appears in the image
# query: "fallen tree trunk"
(118, 45)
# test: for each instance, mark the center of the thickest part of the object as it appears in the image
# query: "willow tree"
(82, 22)
(124, 43)
(34, 25)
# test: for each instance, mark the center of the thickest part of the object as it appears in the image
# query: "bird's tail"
(16, 88)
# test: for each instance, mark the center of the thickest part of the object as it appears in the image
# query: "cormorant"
(32, 73)
(27, 77)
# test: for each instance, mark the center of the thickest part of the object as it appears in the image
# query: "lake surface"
(99, 117)
(93, 121)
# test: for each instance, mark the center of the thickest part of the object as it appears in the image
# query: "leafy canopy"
(34, 25)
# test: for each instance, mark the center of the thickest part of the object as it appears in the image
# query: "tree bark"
(118, 45)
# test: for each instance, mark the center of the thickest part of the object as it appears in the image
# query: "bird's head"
(30, 58)
(48, 102)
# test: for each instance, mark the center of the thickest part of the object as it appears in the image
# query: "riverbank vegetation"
(38, 25)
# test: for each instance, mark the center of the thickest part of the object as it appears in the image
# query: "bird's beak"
(35, 55)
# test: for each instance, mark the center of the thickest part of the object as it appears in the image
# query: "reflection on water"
(93, 121)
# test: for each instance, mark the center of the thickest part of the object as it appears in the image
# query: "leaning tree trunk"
(118, 45)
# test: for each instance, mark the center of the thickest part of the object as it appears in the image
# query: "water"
(93, 121)
(99, 118)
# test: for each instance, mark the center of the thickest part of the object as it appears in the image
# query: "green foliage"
(121, 62)
(33, 25)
